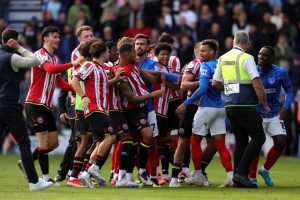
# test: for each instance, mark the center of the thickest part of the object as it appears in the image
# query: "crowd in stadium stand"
(269, 22)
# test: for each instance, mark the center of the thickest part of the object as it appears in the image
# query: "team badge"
(40, 120)
(181, 131)
(110, 129)
(143, 121)
(125, 126)
(271, 80)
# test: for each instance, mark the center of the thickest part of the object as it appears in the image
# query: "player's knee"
(279, 145)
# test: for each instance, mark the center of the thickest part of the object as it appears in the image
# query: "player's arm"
(172, 85)
(187, 82)
(127, 92)
(62, 84)
(150, 76)
(58, 68)
(26, 58)
(288, 88)
(116, 77)
(76, 85)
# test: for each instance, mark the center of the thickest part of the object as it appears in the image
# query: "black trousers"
(246, 122)
(67, 160)
(12, 118)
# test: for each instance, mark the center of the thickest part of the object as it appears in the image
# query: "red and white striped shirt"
(114, 98)
(174, 67)
(193, 67)
(161, 103)
(42, 83)
(138, 87)
(94, 85)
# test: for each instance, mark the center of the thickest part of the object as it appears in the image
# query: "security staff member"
(237, 75)
(10, 109)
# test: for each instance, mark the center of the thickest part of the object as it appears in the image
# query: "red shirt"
(161, 103)
(138, 87)
(193, 67)
(42, 83)
(114, 98)
(94, 86)
(174, 67)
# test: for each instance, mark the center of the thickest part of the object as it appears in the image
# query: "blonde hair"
(83, 28)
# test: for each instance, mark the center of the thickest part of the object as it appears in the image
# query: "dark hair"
(213, 44)
(125, 47)
(271, 50)
(166, 37)
(84, 49)
(162, 46)
(97, 48)
(9, 34)
(49, 29)
(142, 36)
(111, 44)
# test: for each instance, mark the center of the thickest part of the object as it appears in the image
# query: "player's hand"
(282, 114)
(118, 73)
(157, 93)
(180, 109)
(85, 102)
(266, 109)
(63, 117)
(78, 61)
(163, 78)
(13, 44)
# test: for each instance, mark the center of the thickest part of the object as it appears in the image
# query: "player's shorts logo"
(125, 126)
(181, 131)
(110, 129)
(143, 121)
(40, 120)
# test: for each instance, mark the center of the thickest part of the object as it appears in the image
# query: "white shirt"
(26, 60)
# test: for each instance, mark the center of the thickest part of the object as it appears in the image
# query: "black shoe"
(243, 181)
(59, 178)
(111, 176)
(155, 182)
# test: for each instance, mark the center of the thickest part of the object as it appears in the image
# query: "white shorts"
(274, 126)
(209, 119)
(153, 122)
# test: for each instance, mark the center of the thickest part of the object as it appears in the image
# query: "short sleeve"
(174, 64)
(250, 67)
(204, 71)
(218, 74)
(43, 57)
(83, 71)
(192, 67)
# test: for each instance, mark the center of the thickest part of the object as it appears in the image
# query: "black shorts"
(186, 121)
(137, 119)
(162, 125)
(173, 119)
(100, 125)
(82, 126)
(40, 118)
(119, 122)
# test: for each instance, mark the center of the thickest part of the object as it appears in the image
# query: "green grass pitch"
(285, 174)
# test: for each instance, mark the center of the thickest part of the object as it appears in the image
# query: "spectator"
(151, 12)
(4, 9)
(260, 9)
(154, 36)
(294, 73)
(188, 14)
(227, 46)
(224, 20)
(67, 45)
(161, 26)
(74, 10)
(205, 20)
(123, 15)
(240, 24)
(140, 28)
(256, 41)
(136, 13)
(289, 30)
(297, 39)
(113, 24)
(268, 30)
(185, 50)
(291, 9)
(48, 20)
(183, 28)
(283, 52)
(215, 33)
(107, 6)
(30, 34)
(107, 34)
(277, 3)
(82, 19)
(54, 6)
(62, 20)
(168, 16)
(277, 17)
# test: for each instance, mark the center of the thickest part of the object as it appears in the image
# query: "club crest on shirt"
(271, 80)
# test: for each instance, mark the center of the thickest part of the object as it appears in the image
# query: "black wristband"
(83, 96)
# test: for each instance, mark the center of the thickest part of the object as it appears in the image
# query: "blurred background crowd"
(269, 22)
